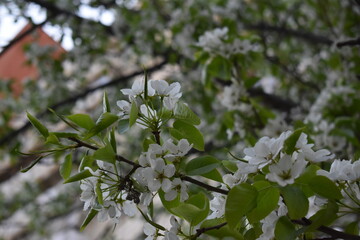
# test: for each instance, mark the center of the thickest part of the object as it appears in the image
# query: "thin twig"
(203, 230)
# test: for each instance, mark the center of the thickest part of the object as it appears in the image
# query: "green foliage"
(295, 200)
(82, 120)
(266, 201)
(66, 167)
(194, 210)
(38, 125)
(105, 120)
(325, 187)
(92, 213)
(192, 134)
(241, 200)
(184, 113)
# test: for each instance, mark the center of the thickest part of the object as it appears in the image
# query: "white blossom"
(88, 195)
(179, 150)
(287, 169)
(110, 210)
(158, 175)
(150, 231)
(125, 107)
(319, 156)
(265, 150)
(177, 187)
(342, 170)
(137, 89)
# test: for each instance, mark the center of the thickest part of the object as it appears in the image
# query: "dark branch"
(332, 232)
(11, 135)
(307, 36)
(204, 185)
(352, 42)
(203, 230)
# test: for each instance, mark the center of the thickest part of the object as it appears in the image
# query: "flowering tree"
(254, 135)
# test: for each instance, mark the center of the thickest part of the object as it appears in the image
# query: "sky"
(9, 28)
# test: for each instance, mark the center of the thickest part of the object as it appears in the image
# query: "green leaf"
(184, 113)
(169, 205)
(79, 176)
(222, 232)
(106, 104)
(201, 165)
(266, 201)
(39, 126)
(241, 200)
(104, 121)
(324, 217)
(66, 167)
(324, 187)
(123, 125)
(106, 153)
(285, 229)
(86, 161)
(52, 139)
(64, 119)
(32, 164)
(98, 192)
(82, 120)
(230, 165)
(194, 210)
(213, 175)
(189, 132)
(112, 140)
(92, 213)
(296, 201)
(290, 142)
(134, 112)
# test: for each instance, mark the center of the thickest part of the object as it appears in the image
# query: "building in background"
(14, 64)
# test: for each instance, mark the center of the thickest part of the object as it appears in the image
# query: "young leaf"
(192, 134)
(290, 142)
(82, 120)
(92, 213)
(201, 165)
(86, 161)
(106, 104)
(134, 111)
(241, 200)
(39, 126)
(79, 176)
(66, 167)
(184, 113)
(32, 164)
(123, 125)
(296, 201)
(104, 121)
(98, 192)
(325, 187)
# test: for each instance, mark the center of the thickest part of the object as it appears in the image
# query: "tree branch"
(332, 232)
(203, 230)
(11, 135)
(307, 36)
(352, 42)
(204, 185)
